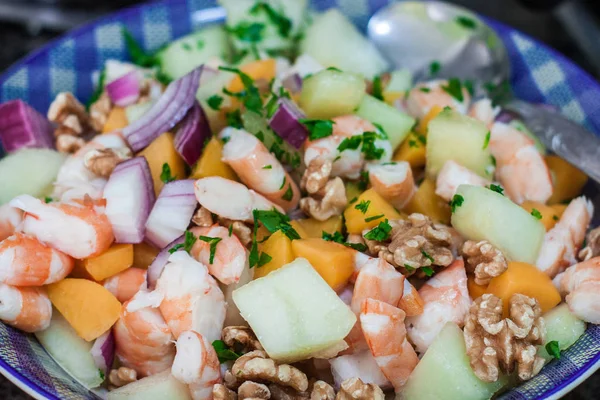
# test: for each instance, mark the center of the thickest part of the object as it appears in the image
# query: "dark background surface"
(26, 25)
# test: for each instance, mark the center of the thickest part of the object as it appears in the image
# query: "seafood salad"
(254, 212)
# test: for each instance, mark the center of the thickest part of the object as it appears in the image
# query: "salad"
(264, 210)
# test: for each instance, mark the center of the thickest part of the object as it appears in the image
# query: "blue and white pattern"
(540, 75)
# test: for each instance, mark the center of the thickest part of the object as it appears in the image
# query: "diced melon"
(70, 351)
(334, 41)
(568, 180)
(313, 228)
(561, 326)
(333, 261)
(116, 259)
(487, 215)
(475, 290)
(210, 163)
(412, 150)
(549, 215)
(117, 119)
(29, 171)
(293, 312)
(375, 205)
(155, 387)
(394, 122)
(426, 202)
(279, 247)
(330, 93)
(160, 152)
(444, 372)
(87, 306)
(453, 136)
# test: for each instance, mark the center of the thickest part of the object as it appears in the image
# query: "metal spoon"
(413, 35)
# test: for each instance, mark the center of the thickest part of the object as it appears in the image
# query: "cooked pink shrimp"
(484, 111)
(360, 259)
(411, 302)
(79, 230)
(25, 261)
(446, 298)
(126, 284)
(192, 298)
(393, 181)
(26, 308)
(424, 96)
(143, 340)
(452, 175)
(358, 365)
(383, 326)
(196, 364)
(350, 162)
(229, 257)
(580, 284)
(259, 169)
(230, 199)
(562, 243)
(520, 167)
(10, 219)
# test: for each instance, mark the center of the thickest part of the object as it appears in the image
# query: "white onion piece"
(171, 213)
(103, 351)
(125, 90)
(157, 266)
(129, 195)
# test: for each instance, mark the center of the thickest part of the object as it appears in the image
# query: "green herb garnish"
(350, 143)
(268, 167)
(377, 88)
(427, 256)
(486, 142)
(339, 238)
(213, 242)
(250, 96)
(434, 67)
(409, 268)
(466, 22)
(186, 46)
(425, 89)
(363, 206)
(234, 119)
(373, 218)
(456, 202)
(223, 352)
(165, 175)
(555, 217)
(496, 188)
(317, 128)
(380, 233)
(135, 51)
(428, 271)
(536, 213)
(363, 181)
(215, 102)
(289, 193)
(250, 32)
(98, 90)
(47, 199)
(230, 230)
(284, 24)
(187, 244)
(553, 349)
(454, 89)
(334, 69)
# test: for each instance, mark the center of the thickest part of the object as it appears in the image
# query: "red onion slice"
(285, 123)
(192, 134)
(103, 351)
(157, 266)
(170, 108)
(293, 83)
(129, 195)
(125, 90)
(23, 127)
(171, 213)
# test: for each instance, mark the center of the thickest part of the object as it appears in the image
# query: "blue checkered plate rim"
(539, 75)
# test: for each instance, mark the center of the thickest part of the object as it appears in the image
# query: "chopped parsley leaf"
(165, 175)
(175, 248)
(369, 149)
(284, 24)
(47, 199)
(413, 144)
(380, 233)
(456, 202)
(468, 84)
(353, 200)
(428, 271)
(352, 143)
(421, 138)
(425, 89)
(373, 218)
(283, 183)
(496, 188)
(377, 88)
(493, 160)
(555, 217)
(268, 167)
(272, 106)
(466, 22)
(251, 32)
(275, 221)
(224, 353)
(234, 119)
(289, 194)
(363, 206)
(454, 89)
(409, 268)
(263, 259)
(215, 102)
(136, 53)
(339, 238)
(200, 44)
(186, 46)
(536, 213)
(486, 142)
(363, 181)
(250, 96)
(334, 69)
(317, 128)
(187, 244)
(230, 230)
(213, 242)
(553, 349)
(382, 133)
(98, 90)
(427, 256)
(434, 67)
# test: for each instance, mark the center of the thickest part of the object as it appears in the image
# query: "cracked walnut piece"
(316, 175)
(327, 197)
(483, 260)
(121, 377)
(203, 217)
(253, 390)
(592, 247)
(241, 339)
(99, 112)
(356, 389)
(69, 144)
(322, 391)
(69, 114)
(220, 392)
(496, 345)
(102, 162)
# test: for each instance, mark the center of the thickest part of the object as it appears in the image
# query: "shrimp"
(520, 167)
(10, 219)
(424, 96)
(484, 111)
(126, 284)
(24, 261)
(452, 175)
(446, 298)
(346, 294)
(143, 340)
(192, 298)
(259, 169)
(229, 257)
(26, 308)
(79, 230)
(383, 326)
(360, 259)
(350, 162)
(394, 182)
(580, 284)
(411, 302)
(230, 199)
(358, 365)
(562, 243)
(196, 364)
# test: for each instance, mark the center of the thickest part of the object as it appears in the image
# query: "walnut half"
(327, 197)
(121, 377)
(356, 389)
(592, 248)
(483, 260)
(102, 162)
(497, 345)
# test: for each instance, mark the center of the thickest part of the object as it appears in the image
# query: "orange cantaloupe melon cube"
(116, 259)
(559, 209)
(568, 180)
(261, 71)
(412, 150)
(549, 214)
(313, 228)
(279, 247)
(333, 261)
(426, 202)
(299, 228)
(162, 151)
(525, 279)
(117, 120)
(88, 307)
(475, 290)
(143, 255)
(353, 190)
(210, 163)
(357, 221)
(424, 123)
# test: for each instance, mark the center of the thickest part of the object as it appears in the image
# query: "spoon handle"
(564, 137)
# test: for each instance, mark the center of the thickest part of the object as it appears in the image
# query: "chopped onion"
(192, 134)
(129, 195)
(170, 108)
(103, 351)
(23, 127)
(506, 116)
(293, 83)
(208, 74)
(285, 123)
(171, 213)
(125, 90)
(157, 266)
